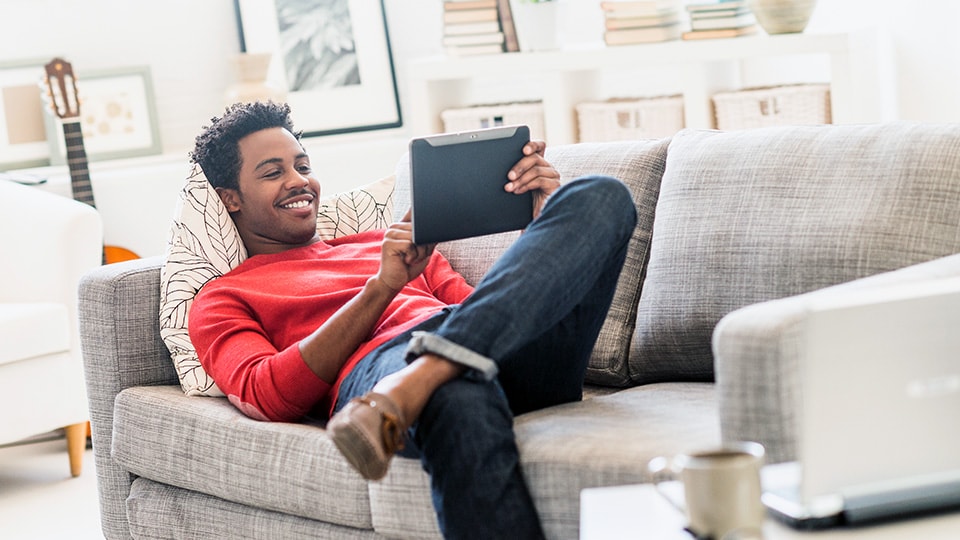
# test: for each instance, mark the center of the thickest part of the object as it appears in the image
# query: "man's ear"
(230, 198)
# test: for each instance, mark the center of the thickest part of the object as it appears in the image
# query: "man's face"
(276, 206)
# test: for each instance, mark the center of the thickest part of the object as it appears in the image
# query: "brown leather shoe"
(368, 431)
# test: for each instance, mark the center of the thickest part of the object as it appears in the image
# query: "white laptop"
(879, 409)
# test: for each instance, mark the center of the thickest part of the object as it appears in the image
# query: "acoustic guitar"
(63, 101)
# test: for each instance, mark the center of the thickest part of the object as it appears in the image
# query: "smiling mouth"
(297, 204)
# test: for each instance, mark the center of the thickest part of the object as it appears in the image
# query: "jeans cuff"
(423, 342)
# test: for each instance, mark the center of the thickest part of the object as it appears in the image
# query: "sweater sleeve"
(446, 283)
(262, 382)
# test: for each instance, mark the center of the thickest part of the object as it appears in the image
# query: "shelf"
(698, 68)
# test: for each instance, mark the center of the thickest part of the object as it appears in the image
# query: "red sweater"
(246, 325)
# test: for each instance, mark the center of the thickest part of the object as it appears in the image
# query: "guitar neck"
(77, 162)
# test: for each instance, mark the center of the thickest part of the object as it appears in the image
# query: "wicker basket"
(486, 116)
(630, 119)
(802, 104)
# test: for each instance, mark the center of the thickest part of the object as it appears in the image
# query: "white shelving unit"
(697, 70)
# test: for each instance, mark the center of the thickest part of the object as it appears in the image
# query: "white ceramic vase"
(783, 16)
(251, 80)
(537, 24)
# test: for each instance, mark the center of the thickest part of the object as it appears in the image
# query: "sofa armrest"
(757, 354)
(119, 306)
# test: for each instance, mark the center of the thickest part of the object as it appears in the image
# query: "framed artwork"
(332, 58)
(23, 138)
(118, 116)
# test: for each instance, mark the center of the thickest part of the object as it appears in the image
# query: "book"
(456, 5)
(652, 34)
(644, 7)
(474, 39)
(510, 41)
(470, 15)
(626, 12)
(471, 50)
(715, 23)
(720, 33)
(459, 29)
(640, 22)
(716, 6)
(712, 14)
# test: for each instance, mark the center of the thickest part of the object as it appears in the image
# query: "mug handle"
(662, 470)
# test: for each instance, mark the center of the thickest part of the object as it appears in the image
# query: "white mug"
(721, 489)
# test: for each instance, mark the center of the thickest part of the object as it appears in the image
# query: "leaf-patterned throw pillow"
(204, 244)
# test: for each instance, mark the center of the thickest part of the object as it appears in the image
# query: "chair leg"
(76, 445)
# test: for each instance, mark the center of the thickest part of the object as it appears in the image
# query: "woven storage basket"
(802, 104)
(630, 119)
(486, 116)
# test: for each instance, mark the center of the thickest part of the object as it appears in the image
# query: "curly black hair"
(217, 151)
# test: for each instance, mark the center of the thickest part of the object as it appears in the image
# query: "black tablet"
(456, 184)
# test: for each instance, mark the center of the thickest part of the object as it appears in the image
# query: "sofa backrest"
(640, 165)
(755, 215)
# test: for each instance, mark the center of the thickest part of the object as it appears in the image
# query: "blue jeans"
(536, 315)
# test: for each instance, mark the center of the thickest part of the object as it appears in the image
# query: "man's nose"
(297, 180)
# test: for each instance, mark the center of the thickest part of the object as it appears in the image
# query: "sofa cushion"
(566, 449)
(158, 510)
(755, 215)
(639, 165)
(32, 329)
(208, 446)
(204, 244)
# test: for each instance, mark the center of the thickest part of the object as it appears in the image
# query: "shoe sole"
(361, 455)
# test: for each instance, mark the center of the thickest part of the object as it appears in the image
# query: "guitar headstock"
(62, 89)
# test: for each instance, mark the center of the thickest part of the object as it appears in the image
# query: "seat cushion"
(205, 244)
(603, 441)
(755, 215)
(158, 510)
(639, 165)
(207, 445)
(28, 330)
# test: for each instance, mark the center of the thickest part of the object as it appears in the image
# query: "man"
(384, 334)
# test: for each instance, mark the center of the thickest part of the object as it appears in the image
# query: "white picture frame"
(331, 57)
(118, 116)
(23, 139)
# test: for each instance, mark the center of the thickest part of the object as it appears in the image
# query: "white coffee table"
(639, 511)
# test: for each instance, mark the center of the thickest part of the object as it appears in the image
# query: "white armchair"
(48, 243)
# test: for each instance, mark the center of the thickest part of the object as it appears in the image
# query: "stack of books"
(720, 19)
(478, 27)
(641, 21)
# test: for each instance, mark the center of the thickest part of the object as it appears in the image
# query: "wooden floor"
(39, 500)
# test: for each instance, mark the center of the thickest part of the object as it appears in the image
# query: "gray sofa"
(745, 227)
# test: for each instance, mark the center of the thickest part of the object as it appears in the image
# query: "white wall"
(188, 45)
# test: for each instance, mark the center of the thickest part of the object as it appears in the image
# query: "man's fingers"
(534, 147)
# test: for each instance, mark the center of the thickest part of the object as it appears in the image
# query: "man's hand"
(400, 259)
(533, 173)
(327, 348)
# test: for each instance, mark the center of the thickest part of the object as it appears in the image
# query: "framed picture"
(332, 57)
(118, 116)
(23, 138)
